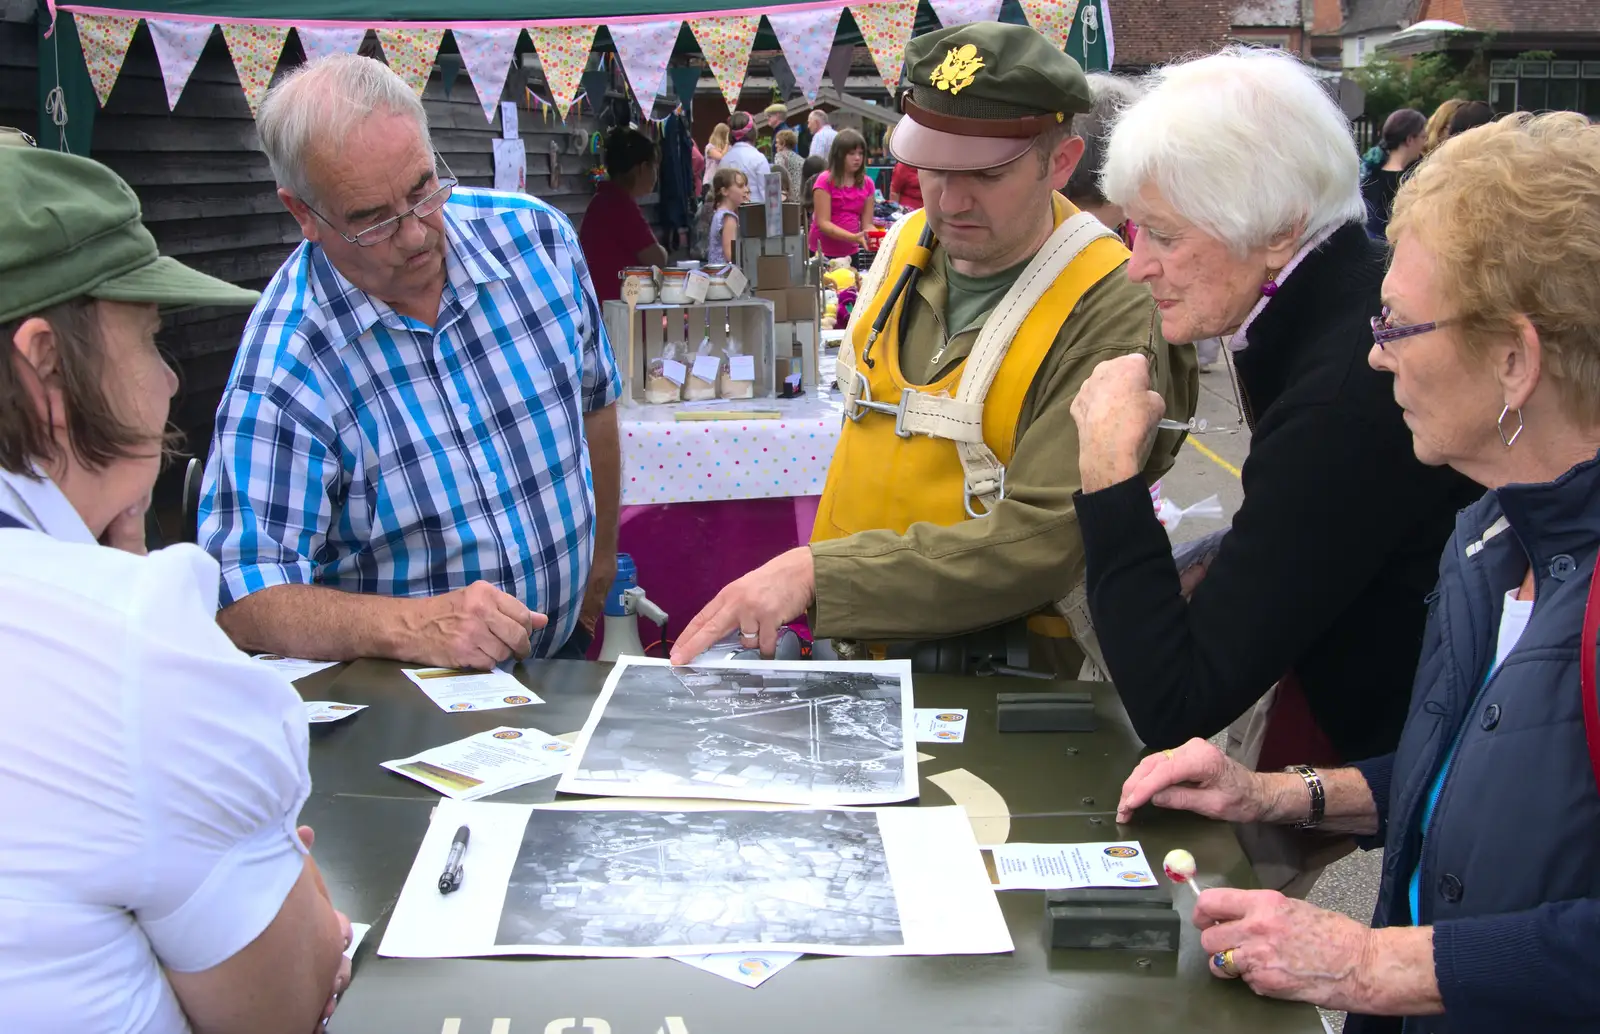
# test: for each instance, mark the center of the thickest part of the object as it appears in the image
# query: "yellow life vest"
(881, 480)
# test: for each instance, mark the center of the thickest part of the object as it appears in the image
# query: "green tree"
(1422, 82)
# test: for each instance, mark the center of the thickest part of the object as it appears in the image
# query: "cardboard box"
(773, 272)
(774, 246)
(752, 220)
(791, 219)
(802, 303)
(783, 338)
(778, 298)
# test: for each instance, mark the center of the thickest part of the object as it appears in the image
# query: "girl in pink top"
(842, 199)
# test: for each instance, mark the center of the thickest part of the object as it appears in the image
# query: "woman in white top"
(153, 878)
(744, 157)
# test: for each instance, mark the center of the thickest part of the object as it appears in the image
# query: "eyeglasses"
(1384, 330)
(380, 232)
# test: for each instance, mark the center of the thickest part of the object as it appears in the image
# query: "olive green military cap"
(979, 95)
(69, 227)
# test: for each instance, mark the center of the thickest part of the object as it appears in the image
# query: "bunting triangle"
(178, 48)
(645, 48)
(321, 43)
(487, 55)
(255, 50)
(886, 29)
(563, 53)
(1051, 18)
(807, 39)
(725, 42)
(410, 53)
(960, 12)
(105, 39)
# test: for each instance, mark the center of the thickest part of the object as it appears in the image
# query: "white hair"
(321, 103)
(1245, 144)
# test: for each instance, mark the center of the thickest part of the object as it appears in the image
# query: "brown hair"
(724, 179)
(1510, 214)
(95, 434)
(847, 141)
(787, 138)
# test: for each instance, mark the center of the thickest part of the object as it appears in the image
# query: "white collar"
(1238, 342)
(42, 505)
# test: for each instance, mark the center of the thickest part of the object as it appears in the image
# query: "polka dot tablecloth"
(665, 460)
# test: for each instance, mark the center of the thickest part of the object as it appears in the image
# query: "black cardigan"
(1326, 567)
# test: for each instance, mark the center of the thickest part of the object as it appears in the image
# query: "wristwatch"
(1319, 796)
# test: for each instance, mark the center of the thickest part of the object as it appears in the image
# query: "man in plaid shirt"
(416, 456)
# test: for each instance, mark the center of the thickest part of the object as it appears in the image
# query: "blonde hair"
(1510, 214)
(719, 136)
(1439, 124)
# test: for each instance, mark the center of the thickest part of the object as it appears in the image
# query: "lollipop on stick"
(1179, 866)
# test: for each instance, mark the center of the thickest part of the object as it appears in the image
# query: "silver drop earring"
(1500, 425)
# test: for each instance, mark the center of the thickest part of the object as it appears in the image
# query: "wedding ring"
(748, 636)
(1223, 960)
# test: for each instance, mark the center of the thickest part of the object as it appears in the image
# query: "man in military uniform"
(948, 505)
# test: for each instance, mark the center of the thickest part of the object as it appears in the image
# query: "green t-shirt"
(971, 297)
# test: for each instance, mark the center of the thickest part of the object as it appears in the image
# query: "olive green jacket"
(936, 581)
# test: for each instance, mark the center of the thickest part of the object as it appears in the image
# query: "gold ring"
(1223, 960)
(1168, 752)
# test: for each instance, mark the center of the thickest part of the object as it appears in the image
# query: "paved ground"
(1209, 465)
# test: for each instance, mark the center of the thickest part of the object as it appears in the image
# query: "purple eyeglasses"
(1384, 332)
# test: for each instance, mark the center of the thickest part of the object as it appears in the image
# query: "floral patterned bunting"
(564, 53)
(178, 47)
(645, 48)
(1052, 18)
(105, 39)
(725, 42)
(410, 52)
(886, 29)
(807, 39)
(487, 55)
(255, 50)
(320, 43)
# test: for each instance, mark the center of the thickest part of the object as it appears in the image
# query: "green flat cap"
(70, 227)
(979, 95)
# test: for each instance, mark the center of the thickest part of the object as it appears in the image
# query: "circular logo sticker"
(517, 700)
(463, 706)
(1133, 877)
(508, 734)
(1122, 852)
(945, 734)
(949, 716)
(269, 657)
(557, 748)
(341, 707)
(753, 967)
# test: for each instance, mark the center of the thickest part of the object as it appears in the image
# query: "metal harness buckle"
(862, 402)
(969, 493)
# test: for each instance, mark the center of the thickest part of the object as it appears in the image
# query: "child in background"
(729, 189)
(843, 199)
(716, 147)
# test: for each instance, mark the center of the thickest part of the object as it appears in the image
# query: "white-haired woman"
(1242, 176)
(1488, 915)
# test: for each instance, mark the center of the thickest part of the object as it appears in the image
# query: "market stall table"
(1017, 788)
(704, 501)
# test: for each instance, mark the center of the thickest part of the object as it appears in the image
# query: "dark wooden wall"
(19, 66)
(210, 201)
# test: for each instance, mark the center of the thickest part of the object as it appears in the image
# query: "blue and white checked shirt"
(362, 450)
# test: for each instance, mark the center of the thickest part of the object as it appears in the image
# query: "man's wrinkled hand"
(1116, 413)
(1195, 777)
(476, 627)
(758, 606)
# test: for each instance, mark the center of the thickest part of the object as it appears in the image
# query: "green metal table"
(1050, 788)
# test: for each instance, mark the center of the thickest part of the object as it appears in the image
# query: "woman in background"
(614, 234)
(1438, 130)
(716, 147)
(1112, 93)
(787, 160)
(842, 199)
(1405, 134)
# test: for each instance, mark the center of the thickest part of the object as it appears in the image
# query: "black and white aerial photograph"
(804, 733)
(638, 882)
